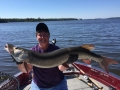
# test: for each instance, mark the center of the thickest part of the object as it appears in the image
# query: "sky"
(85, 9)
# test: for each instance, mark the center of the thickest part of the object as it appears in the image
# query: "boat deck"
(75, 82)
(76, 78)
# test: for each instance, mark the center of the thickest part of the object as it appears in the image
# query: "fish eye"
(16, 47)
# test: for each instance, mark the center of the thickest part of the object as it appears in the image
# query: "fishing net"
(8, 82)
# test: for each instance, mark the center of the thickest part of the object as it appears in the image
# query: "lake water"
(104, 34)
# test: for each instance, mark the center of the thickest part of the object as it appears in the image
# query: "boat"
(79, 76)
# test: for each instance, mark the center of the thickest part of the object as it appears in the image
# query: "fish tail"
(106, 62)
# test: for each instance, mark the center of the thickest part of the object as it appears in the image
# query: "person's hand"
(16, 61)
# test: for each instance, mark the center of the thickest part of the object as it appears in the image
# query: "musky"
(85, 9)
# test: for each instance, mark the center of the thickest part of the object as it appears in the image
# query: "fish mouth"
(9, 48)
(5, 46)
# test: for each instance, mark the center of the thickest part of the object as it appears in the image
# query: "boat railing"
(8, 82)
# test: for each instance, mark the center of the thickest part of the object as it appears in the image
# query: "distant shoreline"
(5, 20)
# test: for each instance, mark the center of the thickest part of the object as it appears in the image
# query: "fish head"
(9, 48)
(18, 53)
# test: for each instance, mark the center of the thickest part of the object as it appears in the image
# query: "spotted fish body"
(58, 57)
(55, 58)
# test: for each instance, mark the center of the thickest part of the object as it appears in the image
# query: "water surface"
(104, 34)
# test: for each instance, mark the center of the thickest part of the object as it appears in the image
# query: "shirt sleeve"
(33, 49)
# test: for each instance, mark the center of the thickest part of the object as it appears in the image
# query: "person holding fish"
(45, 78)
(47, 61)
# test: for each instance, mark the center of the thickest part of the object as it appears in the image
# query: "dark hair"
(42, 27)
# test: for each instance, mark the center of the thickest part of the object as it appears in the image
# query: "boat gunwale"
(108, 79)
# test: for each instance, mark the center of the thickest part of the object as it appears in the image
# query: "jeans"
(61, 86)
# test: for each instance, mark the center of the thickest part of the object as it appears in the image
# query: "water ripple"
(104, 34)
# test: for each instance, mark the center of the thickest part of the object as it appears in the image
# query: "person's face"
(43, 38)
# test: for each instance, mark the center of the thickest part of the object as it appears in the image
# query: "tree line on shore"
(5, 20)
(2, 20)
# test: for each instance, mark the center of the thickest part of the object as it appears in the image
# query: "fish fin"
(106, 62)
(65, 65)
(86, 61)
(88, 46)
